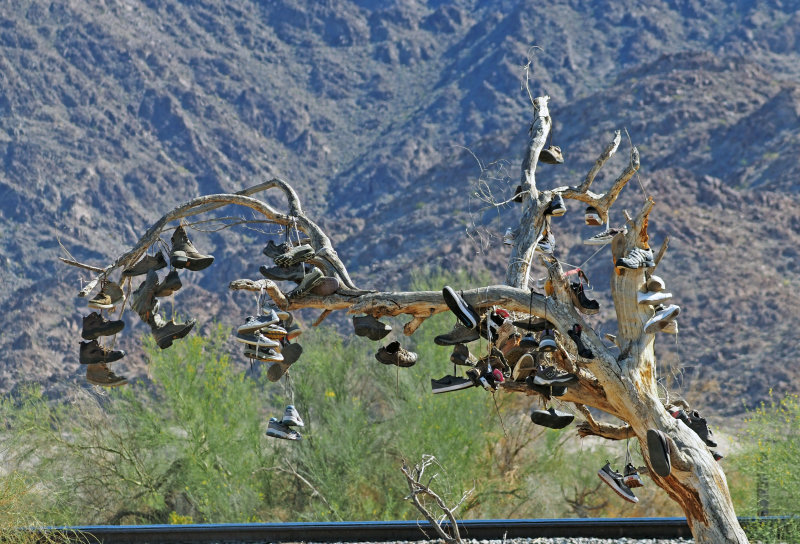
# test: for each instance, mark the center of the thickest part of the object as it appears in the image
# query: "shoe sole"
(654, 298)
(654, 325)
(100, 306)
(613, 485)
(292, 422)
(110, 332)
(550, 421)
(250, 329)
(658, 450)
(453, 387)
(278, 358)
(460, 308)
(541, 381)
(593, 220)
(280, 434)
(256, 343)
(557, 213)
(547, 347)
(596, 242)
(115, 384)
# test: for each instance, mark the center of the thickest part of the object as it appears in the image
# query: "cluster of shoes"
(290, 265)
(658, 445)
(391, 354)
(283, 428)
(268, 337)
(95, 356)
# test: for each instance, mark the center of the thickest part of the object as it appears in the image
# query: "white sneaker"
(256, 339)
(276, 429)
(670, 328)
(291, 417)
(661, 317)
(508, 237)
(655, 283)
(653, 298)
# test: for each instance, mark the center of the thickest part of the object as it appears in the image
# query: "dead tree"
(622, 385)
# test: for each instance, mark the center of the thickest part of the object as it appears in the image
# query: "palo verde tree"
(620, 383)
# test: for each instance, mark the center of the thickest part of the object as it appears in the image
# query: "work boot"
(282, 273)
(92, 352)
(165, 333)
(295, 255)
(309, 281)
(143, 299)
(185, 255)
(148, 262)
(95, 325)
(100, 374)
(110, 293)
(171, 283)
(370, 327)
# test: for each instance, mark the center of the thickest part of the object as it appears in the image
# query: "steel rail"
(383, 531)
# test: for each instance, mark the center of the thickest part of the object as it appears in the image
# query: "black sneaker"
(551, 418)
(462, 356)
(529, 341)
(273, 250)
(518, 194)
(547, 343)
(615, 481)
(276, 429)
(551, 155)
(550, 375)
(461, 308)
(604, 237)
(637, 258)
(631, 477)
(536, 324)
(658, 451)
(282, 273)
(450, 383)
(592, 217)
(581, 301)
(295, 255)
(546, 391)
(166, 333)
(575, 334)
(459, 335)
(95, 325)
(700, 426)
(147, 263)
(92, 352)
(556, 208)
(370, 327)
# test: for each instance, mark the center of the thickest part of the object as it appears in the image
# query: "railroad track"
(382, 531)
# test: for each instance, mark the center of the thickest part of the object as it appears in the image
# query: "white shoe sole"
(454, 387)
(292, 422)
(264, 343)
(291, 435)
(655, 323)
(613, 485)
(464, 314)
(653, 298)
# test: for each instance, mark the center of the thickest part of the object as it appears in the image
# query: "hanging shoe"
(100, 374)
(556, 208)
(147, 263)
(605, 237)
(552, 418)
(663, 315)
(581, 301)
(185, 255)
(143, 300)
(535, 324)
(459, 335)
(286, 358)
(592, 217)
(273, 250)
(274, 332)
(368, 326)
(529, 342)
(394, 354)
(450, 383)
(171, 283)
(653, 298)
(551, 155)
(550, 375)
(526, 365)
(508, 237)
(293, 273)
(547, 343)
(700, 426)
(462, 356)
(655, 283)
(670, 327)
(637, 258)
(256, 338)
(658, 450)
(256, 323)
(101, 301)
(465, 313)
(276, 429)
(166, 333)
(291, 417)
(262, 353)
(92, 352)
(293, 330)
(95, 325)
(631, 477)
(311, 279)
(546, 391)
(295, 255)
(547, 244)
(575, 334)
(518, 194)
(327, 286)
(615, 481)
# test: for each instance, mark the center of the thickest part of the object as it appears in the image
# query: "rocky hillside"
(112, 112)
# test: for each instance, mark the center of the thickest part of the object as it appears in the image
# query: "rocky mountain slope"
(112, 112)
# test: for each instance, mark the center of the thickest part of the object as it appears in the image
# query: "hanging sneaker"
(281, 273)
(550, 375)
(717, 456)
(529, 342)
(658, 450)
(295, 255)
(575, 334)
(92, 352)
(95, 325)
(369, 327)
(147, 263)
(256, 338)
(533, 324)
(171, 283)
(450, 383)
(518, 195)
(546, 391)
(551, 155)
(700, 426)
(291, 417)
(286, 358)
(631, 477)
(327, 286)
(256, 323)
(552, 418)
(283, 315)
(459, 335)
(547, 244)
(166, 333)
(655, 283)
(394, 354)
(143, 300)
(185, 255)
(661, 317)
(462, 356)
(268, 355)
(100, 374)
(670, 327)
(605, 237)
(592, 217)
(465, 313)
(273, 250)
(547, 343)
(637, 258)
(508, 237)
(653, 298)
(311, 279)
(615, 481)
(101, 301)
(581, 301)
(556, 207)
(525, 367)
(276, 429)
(293, 330)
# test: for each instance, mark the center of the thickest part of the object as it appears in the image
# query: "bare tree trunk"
(621, 385)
